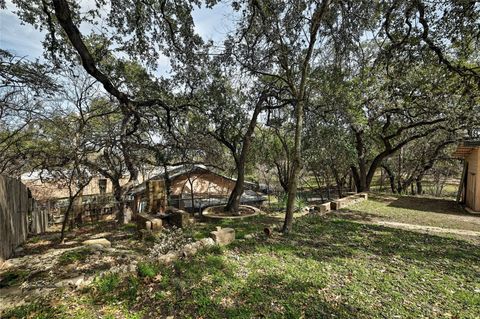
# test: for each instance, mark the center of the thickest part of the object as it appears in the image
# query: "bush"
(147, 270)
(300, 202)
(107, 283)
(71, 256)
(12, 278)
(170, 239)
(131, 290)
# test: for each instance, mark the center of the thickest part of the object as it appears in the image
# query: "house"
(189, 187)
(44, 189)
(96, 199)
(469, 189)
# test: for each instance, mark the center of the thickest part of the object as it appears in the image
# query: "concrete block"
(179, 218)
(156, 224)
(323, 208)
(223, 236)
(363, 195)
(339, 204)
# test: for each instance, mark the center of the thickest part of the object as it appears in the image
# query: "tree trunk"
(237, 192)
(66, 218)
(119, 198)
(283, 173)
(391, 178)
(233, 203)
(360, 174)
(317, 18)
(71, 201)
(296, 167)
(192, 194)
(339, 182)
(419, 186)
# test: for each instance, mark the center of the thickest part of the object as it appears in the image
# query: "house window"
(102, 186)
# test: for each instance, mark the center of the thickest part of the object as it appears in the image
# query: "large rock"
(167, 258)
(207, 242)
(189, 250)
(223, 236)
(74, 282)
(99, 243)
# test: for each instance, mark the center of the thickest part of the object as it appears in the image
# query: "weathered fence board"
(14, 213)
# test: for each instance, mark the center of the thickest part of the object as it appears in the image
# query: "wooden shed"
(189, 187)
(469, 190)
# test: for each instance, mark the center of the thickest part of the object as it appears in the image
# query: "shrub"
(147, 270)
(300, 202)
(107, 283)
(12, 278)
(37, 310)
(71, 256)
(131, 290)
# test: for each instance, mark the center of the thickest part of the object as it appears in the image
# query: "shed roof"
(178, 171)
(465, 148)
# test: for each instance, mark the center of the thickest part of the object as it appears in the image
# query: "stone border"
(339, 203)
(207, 214)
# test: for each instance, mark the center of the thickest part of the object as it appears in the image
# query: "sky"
(24, 40)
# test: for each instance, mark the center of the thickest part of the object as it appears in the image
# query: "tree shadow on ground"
(354, 215)
(423, 204)
(324, 239)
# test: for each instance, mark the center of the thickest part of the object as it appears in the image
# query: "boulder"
(189, 250)
(223, 236)
(74, 282)
(207, 242)
(99, 243)
(167, 258)
(249, 236)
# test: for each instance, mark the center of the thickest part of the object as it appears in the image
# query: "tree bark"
(237, 192)
(119, 196)
(233, 203)
(361, 174)
(65, 219)
(296, 167)
(299, 105)
(391, 178)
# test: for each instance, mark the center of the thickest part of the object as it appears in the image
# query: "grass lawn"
(416, 210)
(326, 267)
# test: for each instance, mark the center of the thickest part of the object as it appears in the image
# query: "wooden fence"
(17, 218)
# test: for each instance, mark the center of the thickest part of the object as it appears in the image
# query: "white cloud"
(21, 39)
(214, 24)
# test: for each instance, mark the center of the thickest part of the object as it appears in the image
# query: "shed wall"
(473, 180)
